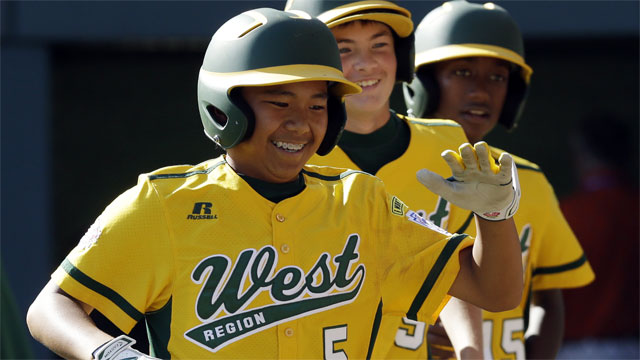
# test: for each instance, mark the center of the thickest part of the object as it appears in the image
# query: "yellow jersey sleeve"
(133, 235)
(408, 234)
(559, 261)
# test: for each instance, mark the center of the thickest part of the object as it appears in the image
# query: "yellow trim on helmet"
(396, 17)
(284, 74)
(458, 51)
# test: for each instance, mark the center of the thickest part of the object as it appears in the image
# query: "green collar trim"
(332, 178)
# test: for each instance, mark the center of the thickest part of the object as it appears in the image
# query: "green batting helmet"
(337, 12)
(266, 47)
(459, 29)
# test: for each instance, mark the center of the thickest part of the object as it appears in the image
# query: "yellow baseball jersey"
(218, 271)
(399, 336)
(552, 258)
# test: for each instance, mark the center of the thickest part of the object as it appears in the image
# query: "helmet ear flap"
(517, 91)
(238, 100)
(336, 119)
(422, 95)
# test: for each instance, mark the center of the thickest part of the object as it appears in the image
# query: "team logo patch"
(225, 312)
(91, 236)
(414, 217)
(202, 211)
(397, 206)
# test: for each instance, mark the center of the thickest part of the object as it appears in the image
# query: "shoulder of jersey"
(429, 122)
(184, 171)
(521, 163)
(330, 173)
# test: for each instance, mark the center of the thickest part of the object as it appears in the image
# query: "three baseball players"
(254, 253)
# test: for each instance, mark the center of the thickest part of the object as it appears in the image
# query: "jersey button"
(288, 332)
(280, 217)
(285, 248)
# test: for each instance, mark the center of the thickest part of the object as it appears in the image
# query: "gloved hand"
(119, 349)
(478, 184)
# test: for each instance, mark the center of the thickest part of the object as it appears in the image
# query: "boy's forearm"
(62, 324)
(498, 263)
(463, 324)
(543, 338)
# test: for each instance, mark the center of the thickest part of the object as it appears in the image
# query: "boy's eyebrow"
(279, 92)
(384, 32)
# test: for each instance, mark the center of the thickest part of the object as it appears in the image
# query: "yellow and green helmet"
(459, 29)
(264, 47)
(338, 12)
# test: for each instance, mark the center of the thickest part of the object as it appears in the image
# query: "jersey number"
(510, 344)
(411, 336)
(333, 335)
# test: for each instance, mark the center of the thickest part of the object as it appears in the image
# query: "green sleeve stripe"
(434, 274)
(560, 268)
(332, 178)
(185, 175)
(434, 123)
(374, 329)
(105, 291)
(464, 226)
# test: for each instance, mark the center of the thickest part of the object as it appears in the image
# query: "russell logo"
(202, 211)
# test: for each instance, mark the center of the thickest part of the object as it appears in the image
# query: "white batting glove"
(478, 184)
(119, 349)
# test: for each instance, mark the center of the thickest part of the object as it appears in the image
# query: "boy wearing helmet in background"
(254, 254)
(376, 42)
(470, 67)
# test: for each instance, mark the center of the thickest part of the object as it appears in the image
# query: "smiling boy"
(376, 42)
(295, 259)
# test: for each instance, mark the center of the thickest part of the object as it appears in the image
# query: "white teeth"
(288, 146)
(477, 112)
(367, 83)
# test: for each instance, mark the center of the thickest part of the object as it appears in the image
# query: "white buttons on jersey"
(288, 332)
(285, 248)
(280, 217)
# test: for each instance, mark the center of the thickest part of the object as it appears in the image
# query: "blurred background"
(96, 92)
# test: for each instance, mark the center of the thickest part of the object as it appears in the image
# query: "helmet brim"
(396, 17)
(457, 51)
(401, 25)
(283, 75)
